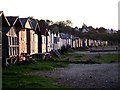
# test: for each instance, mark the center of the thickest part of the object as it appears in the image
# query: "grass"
(25, 81)
(85, 59)
(79, 56)
(16, 76)
(107, 58)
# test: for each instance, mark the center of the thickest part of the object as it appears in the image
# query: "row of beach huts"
(22, 36)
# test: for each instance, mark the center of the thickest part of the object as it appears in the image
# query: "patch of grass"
(17, 76)
(106, 58)
(78, 56)
(109, 58)
(26, 81)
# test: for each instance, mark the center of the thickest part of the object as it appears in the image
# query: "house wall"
(55, 45)
(64, 42)
(27, 25)
(32, 42)
(93, 43)
(52, 41)
(22, 41)
(76, 43)
(35, 43)
(48, 42)
(106, 43)
(83, 43)
(89, 42)
(86, 44)
(48, 45)
(73, 43)
(43, 44)
(60, 42)
(39, 43)
(13, 46)
(69, 41)
(5, 46)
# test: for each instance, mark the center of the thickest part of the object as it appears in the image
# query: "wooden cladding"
(12, 43)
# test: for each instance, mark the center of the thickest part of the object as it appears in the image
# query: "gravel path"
(85, 75)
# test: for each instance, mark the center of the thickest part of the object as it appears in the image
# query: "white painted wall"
(43, 43)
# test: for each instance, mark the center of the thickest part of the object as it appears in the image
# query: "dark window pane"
(12, 40)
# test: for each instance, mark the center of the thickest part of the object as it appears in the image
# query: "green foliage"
(27, 81)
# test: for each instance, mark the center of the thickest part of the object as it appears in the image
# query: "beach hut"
(34, 35)
(73, 42)
(4, 26)
(76, 42)
(58, 40)
(25, 37)
(10, 39)
(51, 40)
(48, 41)
(55, 47)
(84, 43)
(42, 37)
(63, 40)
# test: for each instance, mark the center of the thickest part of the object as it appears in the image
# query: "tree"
(68, 23)
(54, 28)
(43, 24)
(49, 22)
(102, 30)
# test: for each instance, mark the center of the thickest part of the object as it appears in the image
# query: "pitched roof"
(1, 12)
(12, 19)
(5, 22)
(64, 36)
(34, 23)
(23, 21)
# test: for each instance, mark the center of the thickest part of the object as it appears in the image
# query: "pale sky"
(96, 13)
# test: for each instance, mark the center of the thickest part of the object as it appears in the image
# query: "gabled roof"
(34, 23)
(23, 21)
(65, 36)
(1, 12)
(5, 22)
(12, 20)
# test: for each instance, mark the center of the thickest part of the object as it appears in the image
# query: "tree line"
(90, 33)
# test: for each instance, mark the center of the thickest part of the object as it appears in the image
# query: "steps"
(57, 53)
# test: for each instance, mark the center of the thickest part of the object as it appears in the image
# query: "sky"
(96, 13)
